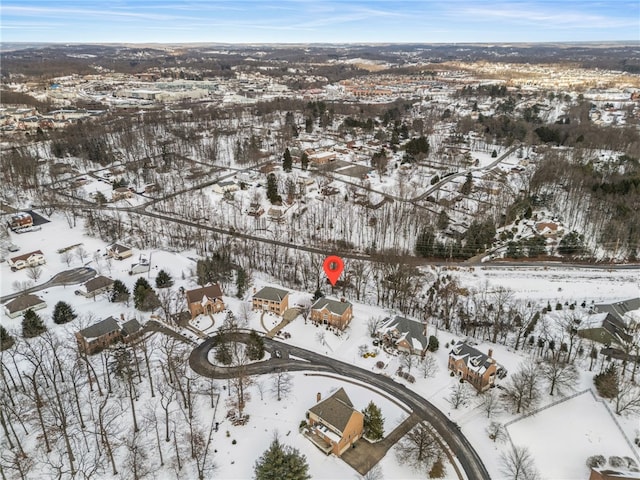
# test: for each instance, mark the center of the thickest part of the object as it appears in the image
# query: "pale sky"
(318, 21)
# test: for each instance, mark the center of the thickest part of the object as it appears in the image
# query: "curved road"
(448, 430)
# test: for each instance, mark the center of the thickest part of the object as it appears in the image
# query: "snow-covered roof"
(334, 306)
(473, 358)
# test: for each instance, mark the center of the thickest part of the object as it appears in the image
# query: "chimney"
(122, 317)
(318, 397)
(490, 354)
(342, 299)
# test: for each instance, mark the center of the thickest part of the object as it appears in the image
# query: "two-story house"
(206, 300)
(404, 334)
(334, 424)
(337, 313)
(98, 336)
(107, 332)
(473, 366)
(271, 299)
(30, 259)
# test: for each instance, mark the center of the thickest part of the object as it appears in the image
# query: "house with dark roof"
(206, 300)
(119, 252)
(95, 286)
(21, 304)
(131, 330)
(99, 336)
(404, 334)
(334, 424)
(271, 299)
(337, 313)
(107, 332)
(605, 328)
(473, 366)
(626, 312)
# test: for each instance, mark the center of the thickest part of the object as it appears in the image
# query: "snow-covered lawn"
(562, 437)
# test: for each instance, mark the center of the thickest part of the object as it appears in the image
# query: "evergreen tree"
(434, 344)
(223, 353)
(255, 346)
(607, 382)
(6, 340)
(272, 189)
(571, 244)
(163, 280)
(63, 313)
(317, 294)
(304, 161)
(144, 297)
(373, 422)
(119, 292)
(467, 185)
(287, 161)
(242, 282)
(281, 462)
(32, 324)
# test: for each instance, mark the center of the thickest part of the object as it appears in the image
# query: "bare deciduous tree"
(373, 324)
(418, 448)
(459, 395)
(496, 431)
(522, 390)
(627, 400)
(67, 257)
(518, 464)
(281, 384)
(428, 366)
(560, 374)
(491, 403)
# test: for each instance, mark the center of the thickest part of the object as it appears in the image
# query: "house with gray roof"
(131, 330)
(327, 311)
(605, 328)
(271, 299)
(119, 252)
(95, 286)
(99, 336)
(334, 424)
(473, 366)
(404, 334)
(21, 304)
(626, 312)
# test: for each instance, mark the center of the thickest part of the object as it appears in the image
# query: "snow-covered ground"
(565, 422)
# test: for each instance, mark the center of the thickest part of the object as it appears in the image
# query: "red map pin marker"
(333, 267)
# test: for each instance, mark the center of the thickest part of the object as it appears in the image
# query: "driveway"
(74, 276)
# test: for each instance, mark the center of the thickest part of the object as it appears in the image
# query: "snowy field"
(549, 433)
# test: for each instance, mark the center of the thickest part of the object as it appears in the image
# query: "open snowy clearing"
(560, 439)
